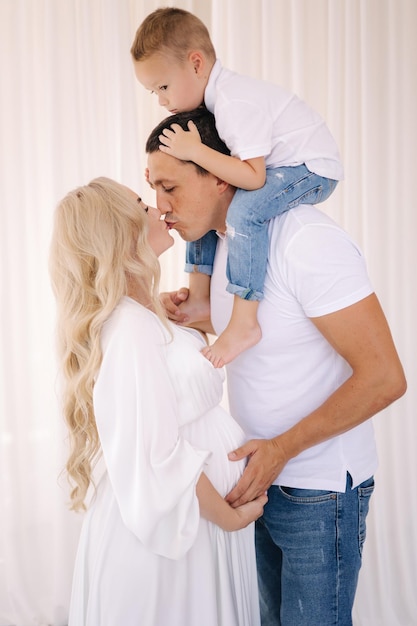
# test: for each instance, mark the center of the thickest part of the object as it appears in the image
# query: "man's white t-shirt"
(314, 268)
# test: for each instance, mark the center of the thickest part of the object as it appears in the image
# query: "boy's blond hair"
(171, 31)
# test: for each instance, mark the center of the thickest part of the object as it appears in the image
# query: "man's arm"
(360, 334)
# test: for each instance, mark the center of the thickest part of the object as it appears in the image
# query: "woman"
(155, 547)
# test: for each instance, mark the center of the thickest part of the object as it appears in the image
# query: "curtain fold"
(70, 110)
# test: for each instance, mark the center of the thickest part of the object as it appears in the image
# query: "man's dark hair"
(203, 119)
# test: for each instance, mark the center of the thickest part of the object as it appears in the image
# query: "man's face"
(193, 204)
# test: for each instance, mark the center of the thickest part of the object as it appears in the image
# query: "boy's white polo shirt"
(257, 118)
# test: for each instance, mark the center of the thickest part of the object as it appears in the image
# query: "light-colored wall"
(70, 109)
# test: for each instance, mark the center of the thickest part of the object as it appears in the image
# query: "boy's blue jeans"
(247, 227)
(309, 552)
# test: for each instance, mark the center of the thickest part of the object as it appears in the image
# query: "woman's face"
(159, 237)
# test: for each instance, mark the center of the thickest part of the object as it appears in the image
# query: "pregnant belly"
(217, 432)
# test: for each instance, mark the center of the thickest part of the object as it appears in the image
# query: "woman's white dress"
(145, 557)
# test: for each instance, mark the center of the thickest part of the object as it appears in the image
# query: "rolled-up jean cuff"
(244, 292)
(203, 269)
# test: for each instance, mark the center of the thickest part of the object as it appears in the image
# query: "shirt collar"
(210, 92)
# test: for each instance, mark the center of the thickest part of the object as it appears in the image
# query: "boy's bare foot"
(232, 342)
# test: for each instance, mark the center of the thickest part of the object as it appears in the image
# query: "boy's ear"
(197, 59)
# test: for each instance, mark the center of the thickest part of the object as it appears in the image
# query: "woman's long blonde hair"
(99, 246)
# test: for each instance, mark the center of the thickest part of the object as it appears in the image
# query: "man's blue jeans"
(309, 553)
(247, 227)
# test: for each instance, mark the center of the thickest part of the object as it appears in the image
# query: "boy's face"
(179, 86)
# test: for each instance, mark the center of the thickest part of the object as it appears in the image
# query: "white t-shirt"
(256, 118)
(314, 268)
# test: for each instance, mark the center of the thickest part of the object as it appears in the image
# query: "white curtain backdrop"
(70, 110)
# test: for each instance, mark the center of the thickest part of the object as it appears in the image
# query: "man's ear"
(198, 61)
(222, 186)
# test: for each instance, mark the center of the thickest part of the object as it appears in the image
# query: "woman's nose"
(156, 212)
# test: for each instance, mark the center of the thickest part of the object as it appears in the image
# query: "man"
(304, 394)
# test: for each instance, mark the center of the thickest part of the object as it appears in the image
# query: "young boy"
(282, 155)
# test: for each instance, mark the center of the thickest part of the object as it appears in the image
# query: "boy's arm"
(187, 146)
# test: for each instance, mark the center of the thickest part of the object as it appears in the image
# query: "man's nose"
(162, 203)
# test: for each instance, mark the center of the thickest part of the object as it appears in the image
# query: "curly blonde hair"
(99, 246)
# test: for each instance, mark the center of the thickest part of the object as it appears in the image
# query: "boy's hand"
(180, 143)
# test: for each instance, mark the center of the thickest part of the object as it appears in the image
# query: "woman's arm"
(215, 509)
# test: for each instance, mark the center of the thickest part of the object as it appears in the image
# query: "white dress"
(145, 557)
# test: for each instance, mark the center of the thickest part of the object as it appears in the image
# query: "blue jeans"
(309, 552)
(247, 227)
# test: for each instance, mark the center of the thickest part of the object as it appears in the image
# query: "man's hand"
(179, 143)
(266, 459)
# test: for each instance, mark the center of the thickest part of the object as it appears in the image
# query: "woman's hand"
(247, 513)
(171, 301)
(215, 508)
